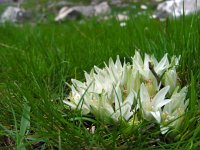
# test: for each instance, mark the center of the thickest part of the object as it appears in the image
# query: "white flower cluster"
(121, 91)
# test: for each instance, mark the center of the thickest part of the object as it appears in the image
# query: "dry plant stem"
(151, 67)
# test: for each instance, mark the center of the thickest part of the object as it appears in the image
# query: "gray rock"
(75, 12)
(13, 14)
(87, 11)
(102, 8)
(174, 8)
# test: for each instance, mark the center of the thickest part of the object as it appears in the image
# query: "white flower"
(116, 70)
(143, 67)
(170, 79)
(151, 106)
(161, 66)
(145, 72)
(172, 114)
(109, 93)
(133, 81)
(150, 77)
(76, 101)
(100, 105)
(123, 107)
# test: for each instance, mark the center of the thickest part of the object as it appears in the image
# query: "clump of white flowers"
(121, 91)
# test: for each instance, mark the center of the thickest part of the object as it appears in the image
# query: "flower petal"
(160, 96)
(162, 103)
(157, 116)
(162, 65)
(164, 129)
(144, 95)
(118, 98)
(73, 106)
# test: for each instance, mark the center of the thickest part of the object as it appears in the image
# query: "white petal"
(138, 59)
(162, 103)
(186, 103)
(110, 74)
(146, 62)
(144, 95)
(97, 69)
(88, 78)
(118, 98)
(125, 74)
(111, 63)
(115, 116)
(127, 105)
(147, 115)
(138, 62)
(154, 60)
(118, 63)
(162, 65)
(78, 84)
(134, 78)
(164, 129)
(130, 98)
(160, 96)
(184, 91)
(73, 106)
(170, 79)
(157, 116)
(177, 100)
(127, 115)
(108, 108)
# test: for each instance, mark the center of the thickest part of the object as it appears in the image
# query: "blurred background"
(60, 10)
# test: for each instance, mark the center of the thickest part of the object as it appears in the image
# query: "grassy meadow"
(36, 61)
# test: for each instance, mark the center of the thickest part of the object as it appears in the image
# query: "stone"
(87, 11)
(174, 8)
(13, 14)
(74, 12)
(102, 9)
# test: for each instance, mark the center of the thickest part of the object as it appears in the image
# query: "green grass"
(36, 61)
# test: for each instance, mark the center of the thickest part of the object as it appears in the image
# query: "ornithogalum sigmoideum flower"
(121, 90)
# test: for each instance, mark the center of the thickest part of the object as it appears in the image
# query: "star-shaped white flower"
(172, 114)
(151, 106)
